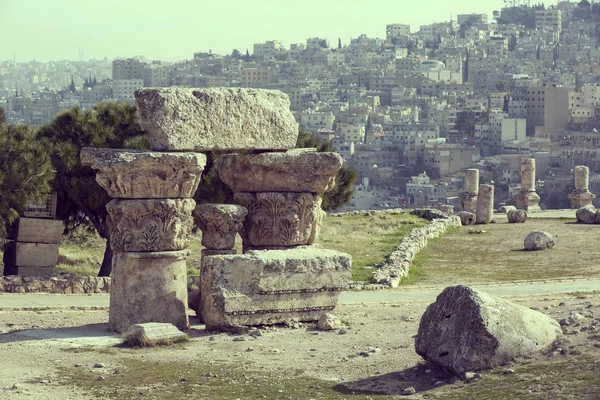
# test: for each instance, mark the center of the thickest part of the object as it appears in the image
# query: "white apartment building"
(395, 31)
(124, 89)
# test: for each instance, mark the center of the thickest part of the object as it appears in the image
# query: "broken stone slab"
(280, 219)
(37, 230)
(280, 172)
(150, 224)
(586, 214)
(152, 334)
(148, 287)
(272, 286)
(130, 174)
(469, 330)
(466, 218)
(216, 119)
(220, 223)
(538, 240)
(516, 216)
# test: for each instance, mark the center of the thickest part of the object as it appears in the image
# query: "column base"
(528, 201)
(581, 199)
(148, 287)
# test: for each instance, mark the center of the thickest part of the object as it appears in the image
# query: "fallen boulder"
(516, 216)
(586, 214)
(152, 334)
(538, 240)
(467, 218)
(469, 330)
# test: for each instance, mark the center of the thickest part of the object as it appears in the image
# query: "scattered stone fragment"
(538, 240)
(98, 365)
(152, 334)
(508, 371)
(467, 218)
(408, 391)
(517, 216)
(502, 330)
(329, 322)
(471, 376)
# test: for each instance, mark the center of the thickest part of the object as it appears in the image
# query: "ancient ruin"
(528, 199)
(278, 190)
(468, 199)
(581, 196)
(485, 204)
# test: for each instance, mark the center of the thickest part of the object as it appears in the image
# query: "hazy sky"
(172, 30)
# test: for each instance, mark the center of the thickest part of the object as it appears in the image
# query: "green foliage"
(466, 121)
(25, 172)
(519, 16)
(2, 116)
(81, 201)
(308, 139)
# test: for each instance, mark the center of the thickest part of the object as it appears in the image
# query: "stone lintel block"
(151, 224)
(37, 230)
(153, 333)
(130, 174)
(280, 219)
(220, 223)
(270, 286)
(216, 119)
(148, 287)
(280, 172)
(21, 254)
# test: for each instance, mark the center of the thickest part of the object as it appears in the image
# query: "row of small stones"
(398, 262)
(389, 274)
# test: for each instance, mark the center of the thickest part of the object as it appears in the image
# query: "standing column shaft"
(485, 204)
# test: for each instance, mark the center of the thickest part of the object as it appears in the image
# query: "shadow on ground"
(421, 377)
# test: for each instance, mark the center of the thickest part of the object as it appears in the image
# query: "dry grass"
(498, 255)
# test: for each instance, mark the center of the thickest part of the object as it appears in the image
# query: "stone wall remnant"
(581, 196)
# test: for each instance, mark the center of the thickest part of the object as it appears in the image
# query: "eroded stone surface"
(527, 199)
(280, 219)
(472, 181)
(469, 330)
(37, 230)
(485, 204)
(152, 333)
(219, 224)
(127, 174)
(148, 287)
(280, 172)
(539, 240)
(506, 209)
(151, 224)
(466, 218)
(586, 214)
(517, 216)
(216, 119)
(581, 196)
(271, 286)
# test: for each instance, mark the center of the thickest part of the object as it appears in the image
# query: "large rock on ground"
(216, 119)
(538, 240)
(586, 214)
(468, 330)
(466, 218)
(516, 216)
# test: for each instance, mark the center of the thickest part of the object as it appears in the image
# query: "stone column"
(528, 199)
(581, 196)
(468, 198)
(150, 222)
(219, 224)
(485, 204)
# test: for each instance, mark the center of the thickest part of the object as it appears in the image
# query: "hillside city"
(409, 112)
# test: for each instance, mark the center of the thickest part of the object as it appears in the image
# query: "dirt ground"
(68, 354)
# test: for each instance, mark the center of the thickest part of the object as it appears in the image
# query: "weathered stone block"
(538, 240)
(469, 330)
(216, 119)
(151, 224)
(129, 174)
(466, 218)
(148, 287)
(269, 287)
(516, 216)
(280, 172)
(586, 214)
(280, 219)
(37, 230)
(220, 223)
(153, 333)
(30, 255)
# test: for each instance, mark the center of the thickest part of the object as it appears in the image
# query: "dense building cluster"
(410, 112)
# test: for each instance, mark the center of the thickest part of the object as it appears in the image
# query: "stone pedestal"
(468, 199)
(581, 196)
(528, 199)
(485, 204)
(150, 223)
(148, 287)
